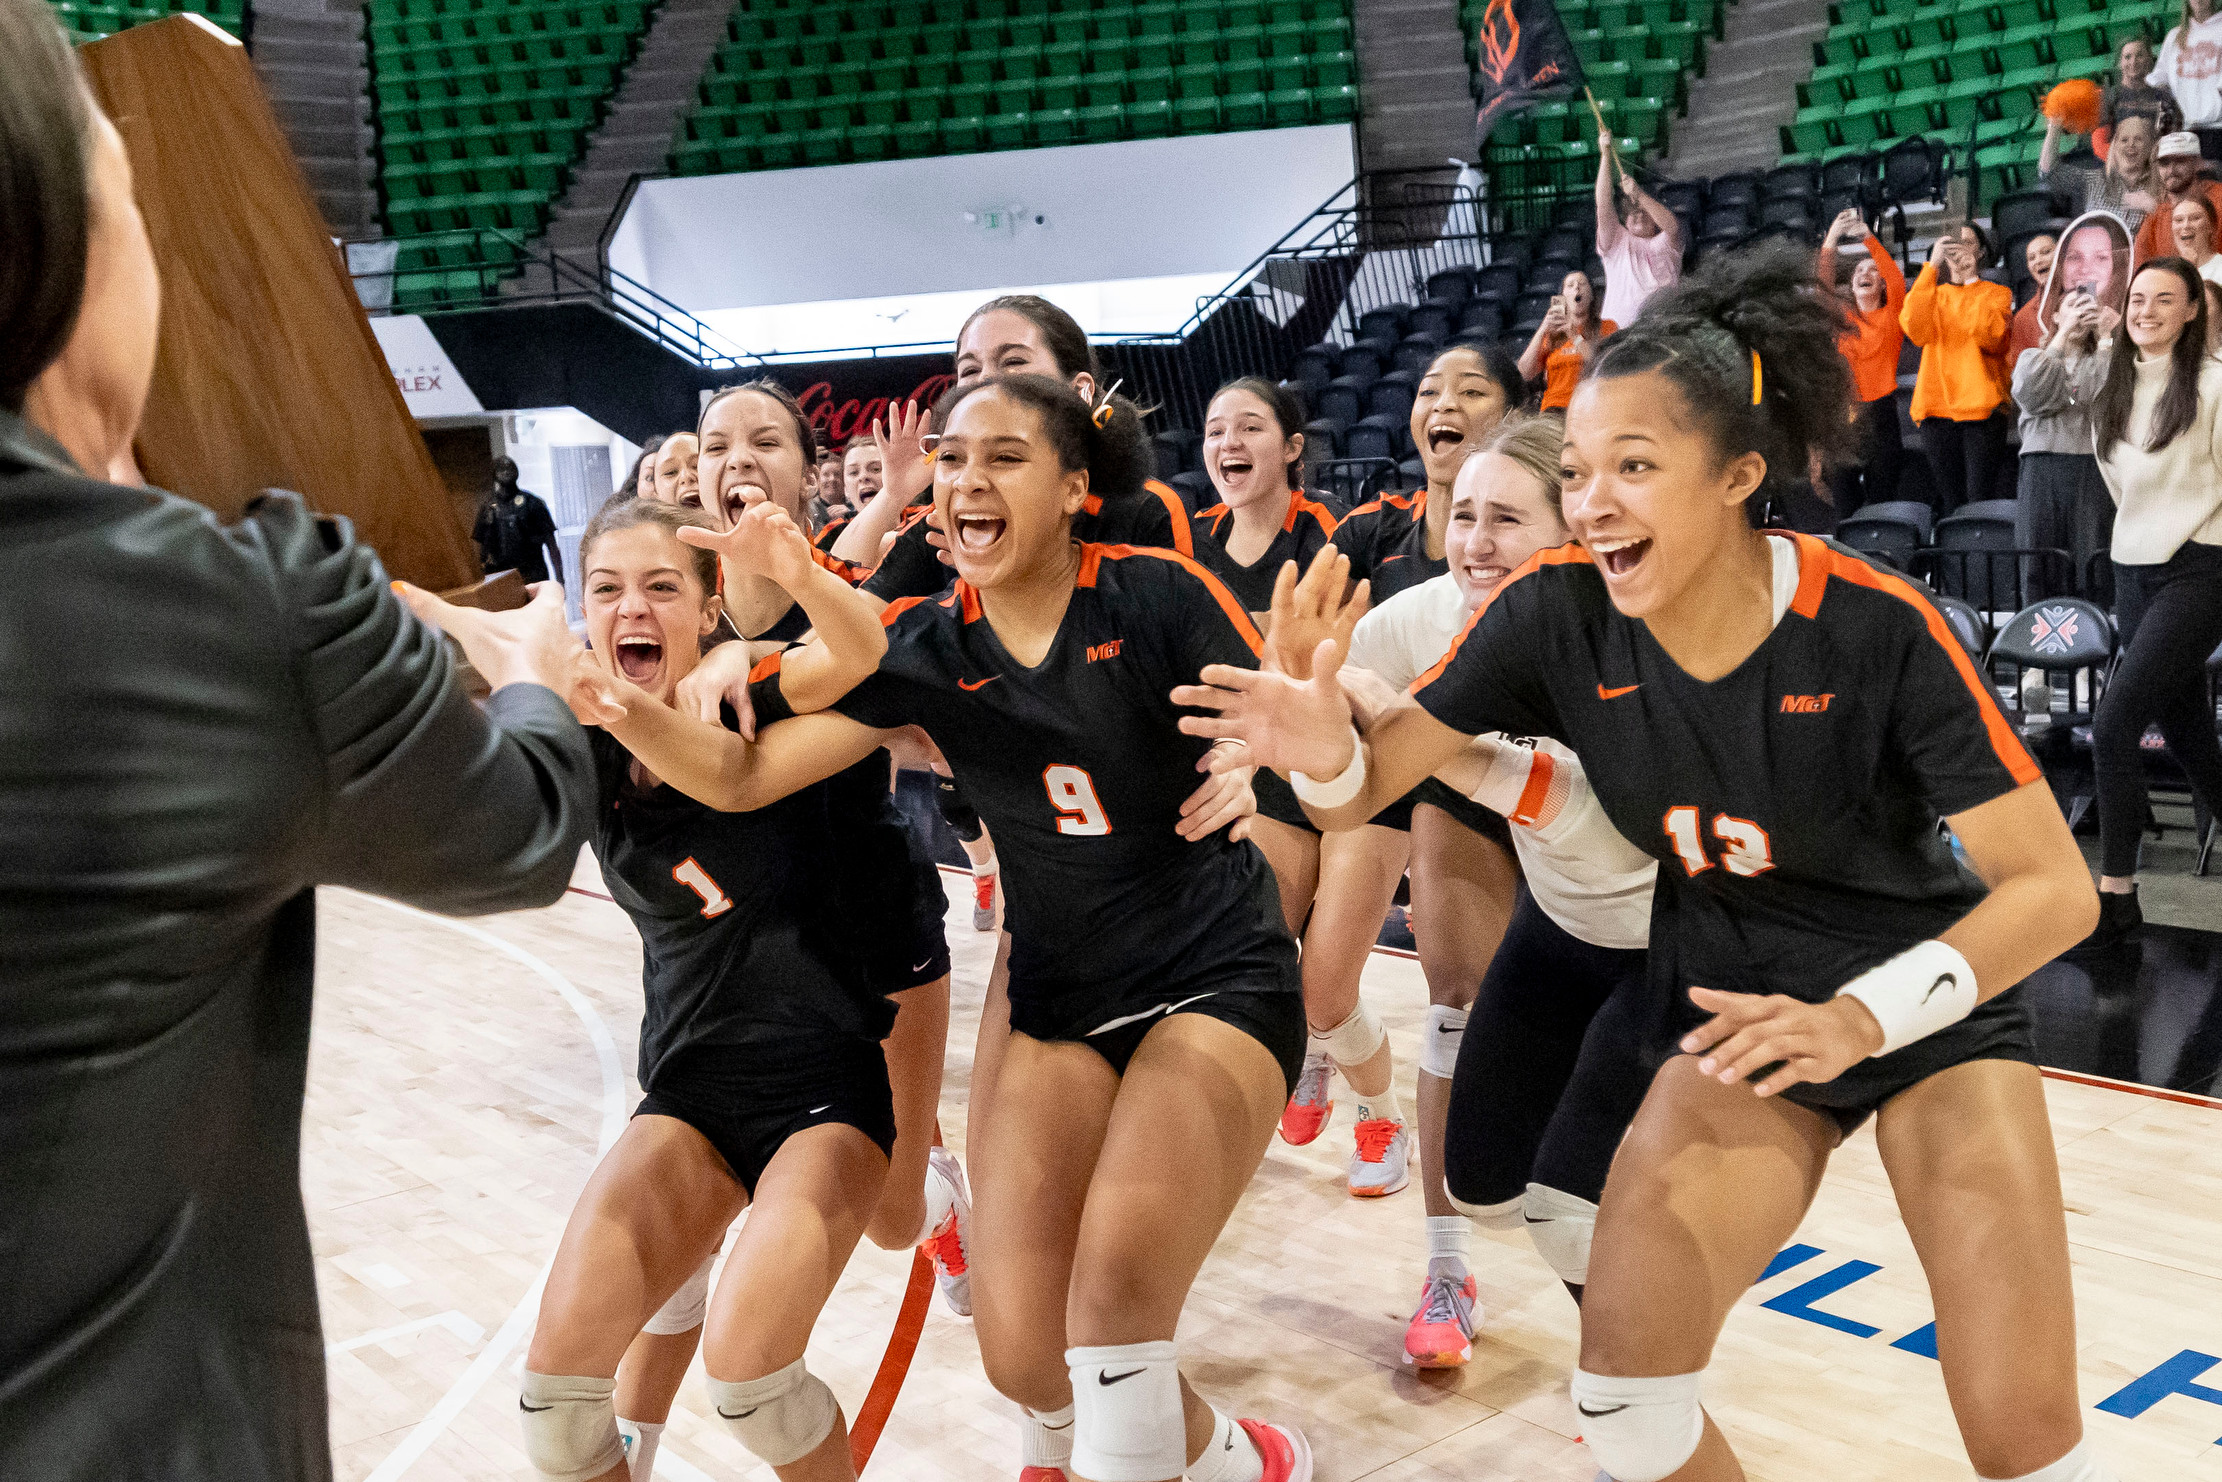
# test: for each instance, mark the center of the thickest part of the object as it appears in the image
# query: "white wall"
(1184, 208)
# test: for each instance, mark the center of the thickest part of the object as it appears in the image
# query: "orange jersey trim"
(766, 667)
(1177, 511)
(2011, 753)
(1541, 771)
(897, 608)
(1092, 557)
(1570, 554)
(848, 571)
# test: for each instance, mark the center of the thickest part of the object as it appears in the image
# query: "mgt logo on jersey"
(1105, 650)
(1807, 704)
(2054, 629)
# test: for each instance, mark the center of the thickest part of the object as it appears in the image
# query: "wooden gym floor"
(465, 1074)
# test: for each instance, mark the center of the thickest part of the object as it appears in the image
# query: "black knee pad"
(955, 810)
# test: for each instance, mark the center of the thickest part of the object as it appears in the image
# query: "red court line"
(582, 890)
(902, 1347)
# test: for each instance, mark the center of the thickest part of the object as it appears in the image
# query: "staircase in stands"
(635, 136)
(310, 57)
(1738, 107)
(1415, 102)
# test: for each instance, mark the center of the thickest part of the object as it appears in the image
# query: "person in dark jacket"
(515, 532)
(199, 724)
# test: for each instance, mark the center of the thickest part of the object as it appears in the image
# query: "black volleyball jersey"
(1155, 518)
(1309, 526)
(1386, 541)
(1794, 802)
(1080, 769)
(742, 941)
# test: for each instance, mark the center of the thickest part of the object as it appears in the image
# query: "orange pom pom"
(2075, 103)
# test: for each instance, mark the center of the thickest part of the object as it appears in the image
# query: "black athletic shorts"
(749, 1100)
(1999, 1029)
(1277, 801)
(917, 951)
(1269, 1009)
(1487, 822)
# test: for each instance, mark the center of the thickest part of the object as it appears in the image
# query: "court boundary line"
(527, 1311)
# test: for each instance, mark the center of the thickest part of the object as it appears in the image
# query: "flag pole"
(1599, 114)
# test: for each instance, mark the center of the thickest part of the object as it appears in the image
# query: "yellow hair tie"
(1758, 381)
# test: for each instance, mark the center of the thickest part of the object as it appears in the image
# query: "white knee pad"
(1127, 1423)
(570, 1426)
(2076, 1466)
(1353, 1041)
(1446, 1030)
(782, 1417)
(1505, 1216)
(688, 1305)
(1561, 1227)
(1639, 1430)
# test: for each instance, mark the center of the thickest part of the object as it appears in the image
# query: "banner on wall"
(843, 398)
(429, 381)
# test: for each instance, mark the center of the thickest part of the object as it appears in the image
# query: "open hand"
(1808, 1042)
(1310, 610)
(905, 470)
(1224, 798)
(760, 541)
(1288, 724)
(525, 645)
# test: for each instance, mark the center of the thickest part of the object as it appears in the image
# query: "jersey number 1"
(1072, 792)
(715, 902)
(1748, 850)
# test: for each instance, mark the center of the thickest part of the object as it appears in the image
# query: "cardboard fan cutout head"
(2093, 258)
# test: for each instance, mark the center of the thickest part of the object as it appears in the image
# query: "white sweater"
(2190, 66)
(2166, 498)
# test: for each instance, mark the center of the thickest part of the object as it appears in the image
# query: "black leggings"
(2171, 618)
(1964, 458)
(1550, 1071)
(1882, 452)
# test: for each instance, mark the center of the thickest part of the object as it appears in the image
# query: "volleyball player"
(641, 482)
(1334, 892)
(861, 476)
(1541, 1094)
(1783, 725)
(757, 447)
(764, 1086)
(1153, 987)
(677, 481)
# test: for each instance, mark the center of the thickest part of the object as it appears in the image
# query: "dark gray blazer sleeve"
(427, 799)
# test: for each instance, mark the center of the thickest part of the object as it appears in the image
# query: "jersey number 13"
(1746, 849)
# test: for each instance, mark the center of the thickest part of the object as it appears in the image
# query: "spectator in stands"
(2127, 185)
(641, 482)
(1639, 239)
(1960, 322)
(2177, 161)
(515, 532)
(2061, 502)
(2194, 223)
(2134, 95)
(675, 470)
(2190, 65)
(1877, 293)
(2024, 335)
(1565, 340)
(2214, 316)
(2155, 425)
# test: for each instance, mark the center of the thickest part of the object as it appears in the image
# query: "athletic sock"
(1045, 1438)
(2076, 1466)
(984, 868)
(1449, 1239)
(645, 1436)
(1229, 1456)
(1382, 1107)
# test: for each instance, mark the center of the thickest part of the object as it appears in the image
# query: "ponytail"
(1748, 340)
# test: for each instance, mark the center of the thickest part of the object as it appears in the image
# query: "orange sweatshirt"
(1563, 367)
(1961, 329)
(1872, 346)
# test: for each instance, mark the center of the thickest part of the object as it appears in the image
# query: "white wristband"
(1336, 791)
(1923, 989)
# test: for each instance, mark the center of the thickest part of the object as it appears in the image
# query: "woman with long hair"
(1875, 295)
(1154, 997)
(2155, 427)
(2191, 229)
(1783, 725)
(2128, 183)
(1520, 1136)
(1960, 320)
(677, 479)
(2061, 501)
(1566, 339)
(2185, 69)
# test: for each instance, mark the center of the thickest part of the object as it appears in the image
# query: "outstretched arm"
(1608, 210)
(712, 765)
(849, 639)
(906, 474)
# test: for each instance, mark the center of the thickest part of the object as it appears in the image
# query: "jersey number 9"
(1748, 850)
(1072, 792)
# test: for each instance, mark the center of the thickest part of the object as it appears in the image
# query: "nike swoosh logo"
(966, 684)
(745, 1414)
(919, 967)
(1626, 689)
(533, 1409)
(1108, 1379)
(1599, 1414)
(1942, 979)
(1449, 1028)
(1163, 1008)
(817, 1109)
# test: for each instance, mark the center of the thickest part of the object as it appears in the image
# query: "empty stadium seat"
(89, 22)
